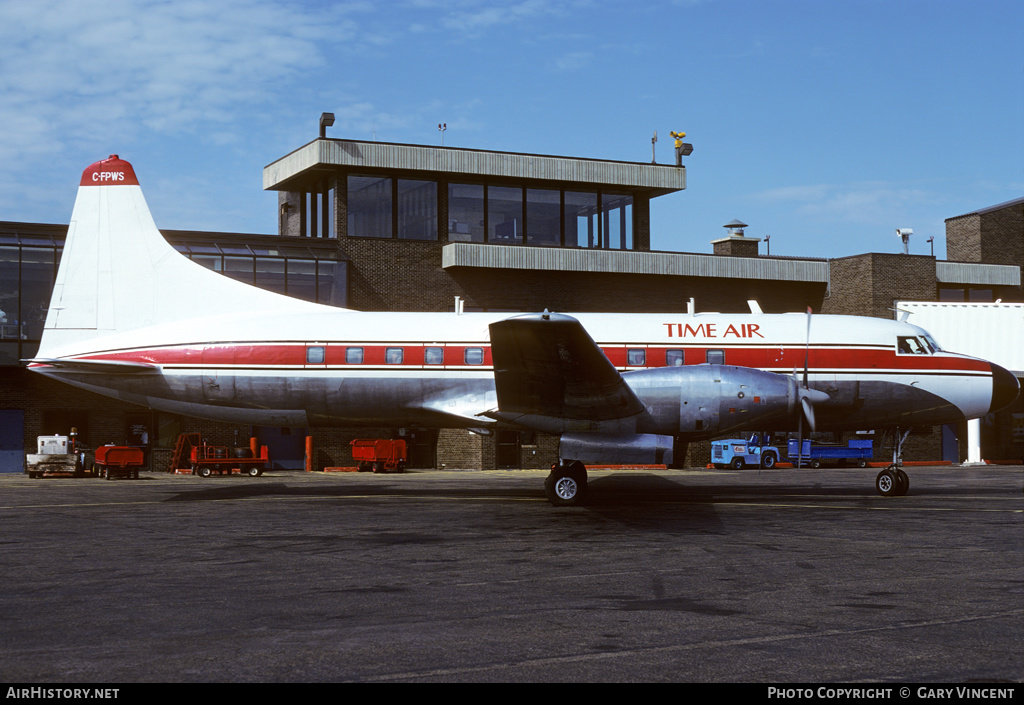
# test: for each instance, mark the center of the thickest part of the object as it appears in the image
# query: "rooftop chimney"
(736, 244)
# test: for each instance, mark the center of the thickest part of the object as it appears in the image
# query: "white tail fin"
(117, 272)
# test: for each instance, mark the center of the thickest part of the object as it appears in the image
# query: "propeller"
(806, 396)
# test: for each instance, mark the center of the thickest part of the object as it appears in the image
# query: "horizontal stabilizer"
(547, 364)
(106, 367)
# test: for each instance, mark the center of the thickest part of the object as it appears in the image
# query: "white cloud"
(475, 16)
(76, 72)
(871, 203)
(573, 61)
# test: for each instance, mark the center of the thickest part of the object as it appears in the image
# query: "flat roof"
(307, 167)
(571, 259)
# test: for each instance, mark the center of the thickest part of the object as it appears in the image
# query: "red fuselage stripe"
(292, 355)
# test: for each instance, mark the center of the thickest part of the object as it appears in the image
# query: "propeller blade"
(800, 442)
(807, 346)
(808, 411)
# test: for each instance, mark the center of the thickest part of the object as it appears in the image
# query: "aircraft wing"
(547, 365)
(105, 367)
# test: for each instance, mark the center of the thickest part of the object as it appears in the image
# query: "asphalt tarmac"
(775, 577)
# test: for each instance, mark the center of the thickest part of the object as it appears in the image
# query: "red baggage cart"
(379, 455)
(125, 461)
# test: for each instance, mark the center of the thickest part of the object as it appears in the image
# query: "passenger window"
(394, 356)
(433, 356)
(635, 357)
(315, 355)
(354, 356)
(474, 356)
(674, 358)
(716, 357)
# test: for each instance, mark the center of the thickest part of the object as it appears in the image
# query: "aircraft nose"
(1005, 388)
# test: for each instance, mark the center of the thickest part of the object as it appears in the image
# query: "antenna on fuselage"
(904, 314)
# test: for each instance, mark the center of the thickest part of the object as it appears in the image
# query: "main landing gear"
(893, 482)
(566, 486)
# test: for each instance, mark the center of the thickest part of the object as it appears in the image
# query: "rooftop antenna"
(442, 127)
(904, 234)
(931, 241)
(654, 141)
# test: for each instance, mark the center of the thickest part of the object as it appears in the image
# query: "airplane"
(132, 318)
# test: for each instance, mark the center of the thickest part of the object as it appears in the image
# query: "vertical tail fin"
(117, 272)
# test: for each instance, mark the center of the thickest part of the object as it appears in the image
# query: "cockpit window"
(931, 343)
(910, 345)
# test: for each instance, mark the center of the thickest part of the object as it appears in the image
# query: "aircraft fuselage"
(435, 370)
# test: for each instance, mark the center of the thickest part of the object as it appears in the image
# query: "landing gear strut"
(566, 486)
(893, 482)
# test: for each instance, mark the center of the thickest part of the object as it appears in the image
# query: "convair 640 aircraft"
(134, 319)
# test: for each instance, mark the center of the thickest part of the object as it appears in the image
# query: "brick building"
(386, 227)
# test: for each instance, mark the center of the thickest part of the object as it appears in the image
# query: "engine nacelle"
(703, 401)
(689, 403)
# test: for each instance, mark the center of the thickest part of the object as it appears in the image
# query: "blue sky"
(824, 124)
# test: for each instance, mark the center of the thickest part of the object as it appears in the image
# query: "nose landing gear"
(893, 481)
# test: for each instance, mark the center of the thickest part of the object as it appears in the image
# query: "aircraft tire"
(904, 482)
(566, 485)
(888, 483)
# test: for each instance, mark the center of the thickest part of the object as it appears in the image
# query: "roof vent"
(735, 228)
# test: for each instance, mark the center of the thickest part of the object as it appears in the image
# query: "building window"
(581, 225)
(465, 212)
(417, 210)
(239, 268)
(300, 278)
(270, 274)
(433, 356)
(674, 358)
(27, 275)
(543, 217)
(966, 293)
(37, 279)
(332, 283)
(394, 356)
(504, 215)
(369, 206)
(354, 356)
(617, 221)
